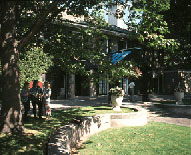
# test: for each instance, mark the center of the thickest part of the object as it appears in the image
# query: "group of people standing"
(37, 96)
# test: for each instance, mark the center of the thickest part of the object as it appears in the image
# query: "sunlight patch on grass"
(91, 111)
(34, 132)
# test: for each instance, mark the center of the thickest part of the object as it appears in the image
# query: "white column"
(92, 86)
(124, 84)
(127, 86)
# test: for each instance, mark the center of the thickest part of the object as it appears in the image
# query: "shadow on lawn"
(101, 108)
(21, 144)
(37, 133)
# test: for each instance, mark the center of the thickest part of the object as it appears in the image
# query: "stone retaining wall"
(69, 135)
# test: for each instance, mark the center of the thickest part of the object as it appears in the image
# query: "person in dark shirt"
(36, 98)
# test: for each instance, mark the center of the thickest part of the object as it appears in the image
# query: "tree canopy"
(24, 23)
(21, 23)
(161, 50)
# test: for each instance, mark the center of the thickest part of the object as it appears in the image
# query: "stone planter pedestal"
(116, 102)
(179, 96)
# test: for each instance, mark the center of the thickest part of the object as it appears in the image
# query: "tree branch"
(39, 22)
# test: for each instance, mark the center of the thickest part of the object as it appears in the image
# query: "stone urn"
(179, 96)
(116, 102)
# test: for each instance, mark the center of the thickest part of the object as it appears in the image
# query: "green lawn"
(37, 132)
(90, 111)
(152, 139)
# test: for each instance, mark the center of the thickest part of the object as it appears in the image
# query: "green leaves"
(33, 63)
(123, 69)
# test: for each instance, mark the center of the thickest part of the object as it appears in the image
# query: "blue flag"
(116, 57)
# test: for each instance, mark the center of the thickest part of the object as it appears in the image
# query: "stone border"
(68, 136)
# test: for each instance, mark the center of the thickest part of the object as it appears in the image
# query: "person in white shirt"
(131, 86)
(47, 94)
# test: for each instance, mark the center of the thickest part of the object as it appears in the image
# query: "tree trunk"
(11, 116)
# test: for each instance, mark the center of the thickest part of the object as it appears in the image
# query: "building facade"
(161, 81)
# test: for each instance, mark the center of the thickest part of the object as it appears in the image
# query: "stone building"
(161, 82)
(71, 85)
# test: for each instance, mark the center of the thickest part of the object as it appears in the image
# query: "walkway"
(155, 114)
(158, 114)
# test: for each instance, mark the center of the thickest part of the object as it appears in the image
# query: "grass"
(154, 138)
(91, 111)
(37, 132)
